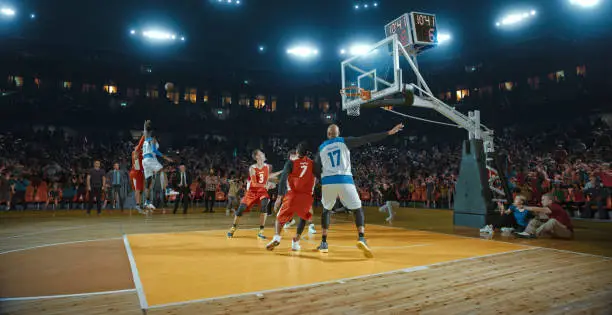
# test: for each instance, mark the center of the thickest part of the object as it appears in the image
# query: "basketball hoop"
(354, 93)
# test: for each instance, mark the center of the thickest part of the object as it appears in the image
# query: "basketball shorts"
(151, 166)
(254, 196)
(137, 180)
(347, 193)
(295, 203)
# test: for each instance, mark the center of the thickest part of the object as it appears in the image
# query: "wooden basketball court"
(176, 264)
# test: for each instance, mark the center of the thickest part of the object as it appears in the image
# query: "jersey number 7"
(331, 158)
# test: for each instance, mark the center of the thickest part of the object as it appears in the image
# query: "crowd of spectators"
(571, 162)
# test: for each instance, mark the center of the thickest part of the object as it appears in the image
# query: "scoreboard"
(415, 29)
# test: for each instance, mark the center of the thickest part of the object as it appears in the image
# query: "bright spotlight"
(302, 51)
(229, 1)
(365, 6)
(585, 3)
(32, 16)
(443, 38)
(375, 4)
(132, 32)
(515, 18)
(183, 38)
(356, 7)
(237, 1)
(7, 11)
(359, 49)
(158, 35)
(342, 51)
(261, 48)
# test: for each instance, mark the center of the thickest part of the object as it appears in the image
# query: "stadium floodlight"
(132, 32)
(356, 7)
(7, 12)
(302, 51)
(585, 3)
(444, 38)
(237, 1)
(342, 51)
(261, 48)
(32, 16)
(183, 38)
(365, 6)
(359, 49)
(375, 4)
(516, 18)
(158, 35)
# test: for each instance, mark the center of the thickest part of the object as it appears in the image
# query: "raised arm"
(140, 143)
(354, 142)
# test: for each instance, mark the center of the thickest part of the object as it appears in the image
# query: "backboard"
(377, 71)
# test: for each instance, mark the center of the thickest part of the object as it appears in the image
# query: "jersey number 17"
(334, 158)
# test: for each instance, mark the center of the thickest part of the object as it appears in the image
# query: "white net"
(353, 111)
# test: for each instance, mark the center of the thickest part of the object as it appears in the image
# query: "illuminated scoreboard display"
(424, 28)
(415, 29)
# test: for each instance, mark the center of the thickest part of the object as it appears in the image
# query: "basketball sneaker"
(295, 246)
(363, 245)
(275, 242)
(311, 229)
(230, 233)
(323, 248)
(488, 229)
(149, 205)
(139, 209)
(289, 224)
(260, 235)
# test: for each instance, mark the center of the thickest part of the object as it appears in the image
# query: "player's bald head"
(333, 131)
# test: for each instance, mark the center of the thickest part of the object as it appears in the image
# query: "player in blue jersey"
(150, 163)
(333, 163)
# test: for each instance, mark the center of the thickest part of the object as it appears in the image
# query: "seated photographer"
(558, 224)
(516, 216)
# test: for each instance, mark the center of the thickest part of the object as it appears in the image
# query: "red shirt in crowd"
(557, 213)
(606, 179)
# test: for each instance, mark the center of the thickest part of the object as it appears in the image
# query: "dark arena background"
(475, 141)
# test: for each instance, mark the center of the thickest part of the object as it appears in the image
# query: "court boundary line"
(59, 296)
(142, 299)
(68, 228)
(338, 281)
(58, 244)
(506, 242)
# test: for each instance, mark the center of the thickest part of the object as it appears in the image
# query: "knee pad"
(325, 218)
(240, 210)
(359, 218)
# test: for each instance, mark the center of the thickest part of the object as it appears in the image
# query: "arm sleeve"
(140, 143)
(317, 166)
(354, 142)
(156, 151)
(282, 183)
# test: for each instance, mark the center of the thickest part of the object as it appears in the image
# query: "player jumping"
(300, 179)
(136, 173)
(334, 162)
(150, 164)
(257, 192)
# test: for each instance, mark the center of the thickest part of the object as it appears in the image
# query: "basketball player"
(257, 192)
(151, 165)
(334, 162)
(136, 173)
(300, 180)
(282, 189)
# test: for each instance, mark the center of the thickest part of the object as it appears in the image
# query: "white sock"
(276, 238)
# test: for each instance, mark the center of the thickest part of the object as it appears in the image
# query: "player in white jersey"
(150, 163)
(333, 163)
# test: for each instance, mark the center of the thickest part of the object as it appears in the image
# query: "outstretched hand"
(396, 129)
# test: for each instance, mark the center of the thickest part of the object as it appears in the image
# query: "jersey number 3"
(261, 178)
(334, 162)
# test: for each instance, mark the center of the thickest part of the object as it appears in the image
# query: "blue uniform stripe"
(148, 156)
(337, 179)
(330, 141)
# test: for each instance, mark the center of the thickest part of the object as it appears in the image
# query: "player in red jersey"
(257, 192)
(136, 173)
(300, 178)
